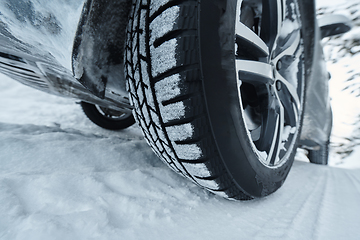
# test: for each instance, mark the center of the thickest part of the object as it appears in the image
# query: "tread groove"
(212, 178)
(175, 70)
(189, 141)
(181, 121)
(173, 34)
(178, 99)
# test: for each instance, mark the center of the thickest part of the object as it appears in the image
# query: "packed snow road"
(61, 177)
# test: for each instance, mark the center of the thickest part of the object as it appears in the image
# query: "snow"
(169, 87)
(163, 57)
(62, 177)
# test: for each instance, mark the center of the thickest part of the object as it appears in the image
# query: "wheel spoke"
(238, 10)
(291, 88)
(275, 148)
(279, 15)
(269, 124)
(254, 72)
(272, 130)
(283, 9)
(290, 109)
(290, 47)
(250, 39)
(271, 22)
(273, 143)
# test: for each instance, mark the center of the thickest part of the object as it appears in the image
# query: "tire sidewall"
(216, 31)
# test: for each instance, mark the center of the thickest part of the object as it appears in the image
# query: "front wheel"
(218, 89)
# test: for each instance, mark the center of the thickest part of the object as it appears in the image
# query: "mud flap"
(97, 57)
(334, 24)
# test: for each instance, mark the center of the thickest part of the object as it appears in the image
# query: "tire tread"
(205, 167)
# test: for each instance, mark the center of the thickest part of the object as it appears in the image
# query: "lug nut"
(279, 65)
(278, 85)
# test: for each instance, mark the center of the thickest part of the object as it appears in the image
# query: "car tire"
(218, 99)
(107, 118)
(321, 155)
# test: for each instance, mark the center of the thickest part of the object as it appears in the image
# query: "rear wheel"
(218, 89)
(106, 117)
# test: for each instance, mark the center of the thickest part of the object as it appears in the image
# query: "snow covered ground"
(62, 177)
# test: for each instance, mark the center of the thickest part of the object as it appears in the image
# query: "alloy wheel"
(269, 63)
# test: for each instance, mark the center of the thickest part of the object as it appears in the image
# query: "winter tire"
(218, 89)
(320, 155)
(107, 118)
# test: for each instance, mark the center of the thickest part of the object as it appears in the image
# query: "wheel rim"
(112, 114)
(269, 63)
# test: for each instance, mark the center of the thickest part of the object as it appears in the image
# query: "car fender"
(317, 122)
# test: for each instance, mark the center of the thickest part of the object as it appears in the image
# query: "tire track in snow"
(303, 200)
(340, 216)
(312, 194)
(354, 179)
